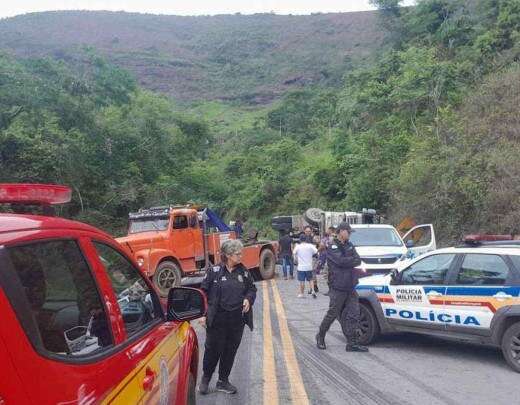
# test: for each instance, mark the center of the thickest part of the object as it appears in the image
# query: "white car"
(469, 293)
(382, 249)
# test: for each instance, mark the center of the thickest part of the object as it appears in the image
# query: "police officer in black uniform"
(231, 294)
(342, 258)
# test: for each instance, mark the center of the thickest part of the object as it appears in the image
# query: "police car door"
(420, 239)
(477, 290)
(418, 293)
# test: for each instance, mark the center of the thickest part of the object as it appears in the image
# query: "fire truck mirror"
(186, 304)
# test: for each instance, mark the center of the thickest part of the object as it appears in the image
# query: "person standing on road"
(231, 294)
(303, 254)
(327, 241)
(342, 258)
(285, 252)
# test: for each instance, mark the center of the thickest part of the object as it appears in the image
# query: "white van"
(382, 249)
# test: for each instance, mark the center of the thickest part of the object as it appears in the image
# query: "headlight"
(140, 261)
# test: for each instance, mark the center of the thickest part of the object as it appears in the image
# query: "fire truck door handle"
(148, 379)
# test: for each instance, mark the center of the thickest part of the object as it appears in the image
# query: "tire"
(167, 275)
(511, 346)
(267, 264)
(368, 325)
(313, 216)
(191, 398)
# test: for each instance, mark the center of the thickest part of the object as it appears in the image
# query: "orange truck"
(174, 245)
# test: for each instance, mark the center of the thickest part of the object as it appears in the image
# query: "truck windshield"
(375, 237)
(148, 224)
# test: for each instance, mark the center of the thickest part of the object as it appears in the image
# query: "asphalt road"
(278, 363)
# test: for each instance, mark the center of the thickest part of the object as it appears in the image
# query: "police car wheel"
(368, 326)
(167, 275)
(267, 264)
(192, 396)
(511, 346)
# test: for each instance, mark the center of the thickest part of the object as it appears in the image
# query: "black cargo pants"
(343, 306)
(222, 341)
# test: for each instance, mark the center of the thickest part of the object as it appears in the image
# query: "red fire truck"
(80, 323)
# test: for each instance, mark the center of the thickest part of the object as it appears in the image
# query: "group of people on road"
(231, 294)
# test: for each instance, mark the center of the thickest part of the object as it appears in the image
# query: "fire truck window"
(193, 221)
(63, 298)
(138, 304)
(180, 222)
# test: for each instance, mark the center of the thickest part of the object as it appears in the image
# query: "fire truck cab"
(80, 323)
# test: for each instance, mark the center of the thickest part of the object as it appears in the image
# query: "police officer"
(231, 294)
(344, 301)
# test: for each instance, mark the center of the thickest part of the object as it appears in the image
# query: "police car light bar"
(34, 194)
(480, 237)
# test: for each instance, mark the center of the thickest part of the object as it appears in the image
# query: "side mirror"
(186, 304)
(394, 275)
(409, 243)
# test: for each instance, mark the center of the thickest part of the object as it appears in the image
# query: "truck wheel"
(313, 216)
(368, 326)
(511, 346)
(167, 275)
(267, 264)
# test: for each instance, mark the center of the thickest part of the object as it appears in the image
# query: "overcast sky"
(9, 8)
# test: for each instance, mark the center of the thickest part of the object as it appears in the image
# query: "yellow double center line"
(270, 382)
(298, 393)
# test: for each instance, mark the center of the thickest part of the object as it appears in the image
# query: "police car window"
(430, 270)
(136, 300)
(481, 269)
(180, 222)
(63, 297)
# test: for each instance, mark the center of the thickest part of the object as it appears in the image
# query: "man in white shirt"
(303, 253)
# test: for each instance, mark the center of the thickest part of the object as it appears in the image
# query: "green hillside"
(246, 58)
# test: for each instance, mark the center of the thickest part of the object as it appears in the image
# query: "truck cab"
(80, 322)
(172, 243)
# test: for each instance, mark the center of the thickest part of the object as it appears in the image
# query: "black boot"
(226, 386)
(204, 385)
(320, 341)
(356, 347)
(316, 288)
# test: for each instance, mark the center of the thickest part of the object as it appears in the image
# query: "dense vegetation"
(117, 146)
(430, 129)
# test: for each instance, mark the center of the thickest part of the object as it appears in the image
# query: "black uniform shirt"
(226, 292)
(233, 290)
(285, 246)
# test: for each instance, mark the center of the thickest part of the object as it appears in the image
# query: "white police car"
(470, 293)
